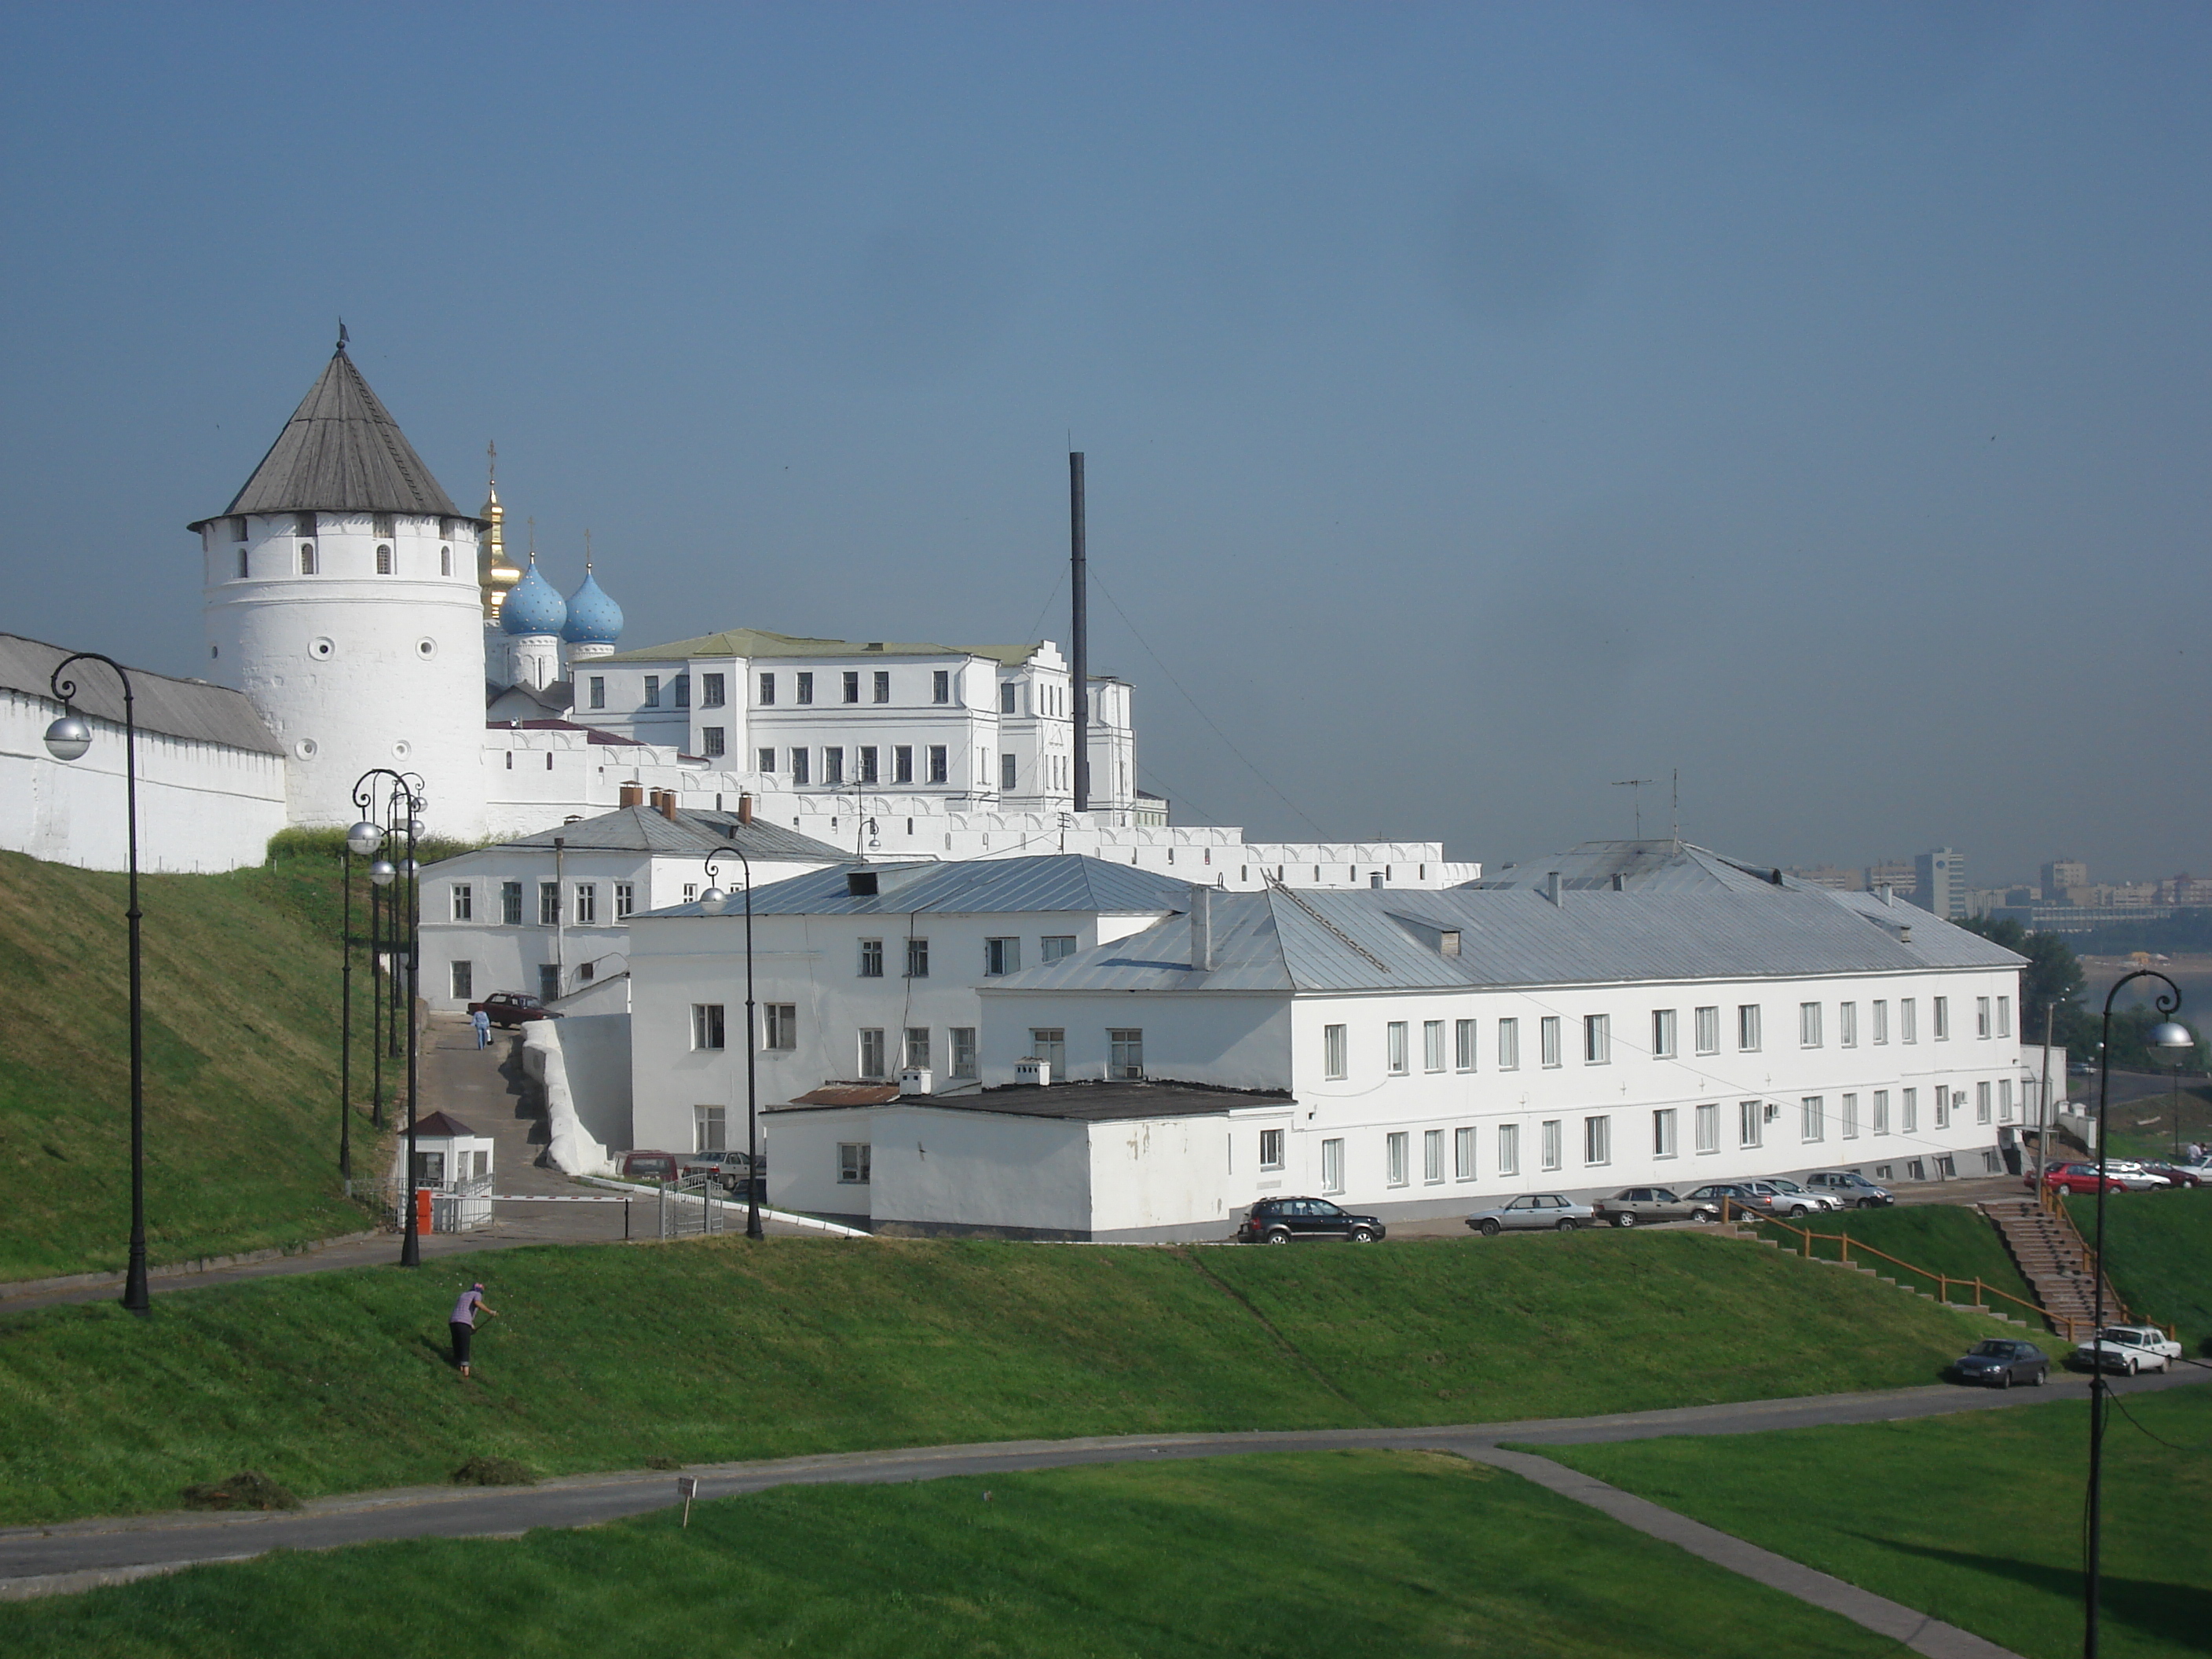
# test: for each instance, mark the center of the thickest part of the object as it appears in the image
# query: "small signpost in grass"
(687, 1488)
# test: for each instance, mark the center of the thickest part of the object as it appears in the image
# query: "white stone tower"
(342, 597)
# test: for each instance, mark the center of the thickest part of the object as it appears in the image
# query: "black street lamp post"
(67, 739)
(401, 793)
(2174, 1039)
(714, 898)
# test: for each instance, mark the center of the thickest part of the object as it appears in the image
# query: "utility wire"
(1199, 711)
(1039, 624)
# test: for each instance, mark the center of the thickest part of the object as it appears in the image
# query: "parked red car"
(2181, 1174)
(2076, 1178)
(512, 1008)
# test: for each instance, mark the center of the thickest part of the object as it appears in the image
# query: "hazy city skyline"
(1482, 405)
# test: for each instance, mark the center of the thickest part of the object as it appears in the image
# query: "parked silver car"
(1791, 1199)
(1633, 1205)
(1852, 1187)
(1533, 1212)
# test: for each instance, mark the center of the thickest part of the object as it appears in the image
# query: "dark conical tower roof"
(341, 453)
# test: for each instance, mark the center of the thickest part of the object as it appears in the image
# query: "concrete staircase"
(2053, 1259)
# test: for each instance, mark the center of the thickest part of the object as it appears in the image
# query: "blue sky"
(1482, 402)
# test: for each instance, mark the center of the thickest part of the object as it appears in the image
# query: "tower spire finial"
(532, 523)
(587, 550)
(342, 334)
(491, 461)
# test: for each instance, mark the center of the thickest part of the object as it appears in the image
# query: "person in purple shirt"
(463, 1322)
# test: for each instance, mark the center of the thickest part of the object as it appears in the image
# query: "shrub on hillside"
(246, 1490)
(494, 1472)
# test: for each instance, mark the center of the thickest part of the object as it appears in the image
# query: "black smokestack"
(1079, 651)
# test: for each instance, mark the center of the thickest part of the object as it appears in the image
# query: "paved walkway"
(79, 1555)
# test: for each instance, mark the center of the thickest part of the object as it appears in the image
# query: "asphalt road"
(78, 1555)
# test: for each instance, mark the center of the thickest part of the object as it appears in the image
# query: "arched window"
(242, 570)
(307, 558)
(445, 561)
(384, 558)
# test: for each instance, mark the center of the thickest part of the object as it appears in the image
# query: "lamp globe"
(2172, 1041)
(363, 839)
(68, 738)
(382, 871)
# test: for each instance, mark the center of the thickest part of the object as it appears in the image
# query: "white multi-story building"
(1628, 1014)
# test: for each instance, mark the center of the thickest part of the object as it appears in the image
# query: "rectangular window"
(1271, 1149)
(1850, 1117)
(871, 958)
(962, 1038)
(1982, 1017)
(1662, 1034)
(549, 904)
(1550, 1152)
(2004, 1017)
(653, 690)
(1334, 1053)
(1847, 1025)
(766, 757)
(851, 685)
(714, 742)
(709, 1129)
(1809, 1026)
(1880, 1022)
(833, 767)
(1432, 1045)
(1396, 1157)
(800, 771)
(937, 763)
(1709, 1031)
(245, 565)
(1126, 1057)
(883, 685)
(1547, 1037)
(510, 903)
(1909, 1111)
(940, 686)
(465, 980)
(780, 1024)
(1509, 1149)
(868, 773)
(1058, 946)
(1002, 956)
(1463, 1154)
(549, 982)
(1508, 1045)
(1007, 695)
(1813, 1118)
(854, 1160)
(1597, 1039)
(1750, 1122)
(707, 1030)
(1981, 1102)
(1880, 1123)
(2004, 1100)
(1908, 1020)
(587, 903)
(690, 892)
(873, 1056)
(683, 691)
(1746, 1028)
(712, 690)
(1395, 1045)
(1331, 1167)
(1663, 1142)
(768, 691)
(917, 958)
(464, 902)
(902, 763)
(1049, 1044)
(1007, 773)
(625, 900)
(598, 684)
(1709, 1128)
(1940, 1019)
(1597, 1140)
(1942, 1106)
(1463, 1044)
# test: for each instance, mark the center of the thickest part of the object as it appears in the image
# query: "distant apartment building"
(1835, 878)
(1939, 883)
(1896, 874)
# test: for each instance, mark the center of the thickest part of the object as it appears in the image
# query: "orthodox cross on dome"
(342, 334)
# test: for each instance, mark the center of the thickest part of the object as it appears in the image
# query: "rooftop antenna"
(1677, 792)
(1635, 787)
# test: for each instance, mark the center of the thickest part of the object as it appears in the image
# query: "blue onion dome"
(532, 606)
(593, 618)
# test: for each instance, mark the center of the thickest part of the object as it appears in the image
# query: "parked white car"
(2129, 1348)
(1790, 1199)
(2133, 1176)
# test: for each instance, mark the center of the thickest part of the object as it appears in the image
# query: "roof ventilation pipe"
(1551, 886)
(745, 809)
(668, 805)
(630, 794)
(1886, 891)
(1201, 929)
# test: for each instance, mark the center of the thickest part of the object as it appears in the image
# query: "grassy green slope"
(2159, 1246)
(714, 1350)
(1938, 1238)
(1338, 1554)
(241, 985)
(1976, 1518)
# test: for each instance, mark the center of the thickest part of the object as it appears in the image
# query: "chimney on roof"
(668, 805)
(1551, 886)
(1885, 892)
(1201, 929)
(745, 809)
(630, 794)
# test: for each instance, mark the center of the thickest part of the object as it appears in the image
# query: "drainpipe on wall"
(560, 914)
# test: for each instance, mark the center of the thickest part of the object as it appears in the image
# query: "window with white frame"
(875, 1057)
(549, 904)
(1709, 1031)
(1982, 1017)
(1848, 1115)
(917, 958)
(587, 903)
(1662, 1034)
(940, 685)
(1463, 1044)
(625, 900)
(510, 903)
(780, 1020)
(1847, 1025)
(1547, 1038)
(1746, 1028)
(1982, 1103)
(709, 1129)
(1908, 1020)
(1813, 1118)
(1597, 1140)
(766, 757)
(653, 690)
(464, 901)
(938, 762)
(882, 685)
(1880, 1021)
(1055, 947)
(1395, 1155)
(768, 691)
(463, 980)
(1395, 1040)
(917, 1047)
(1908, 1107)
(1432, 1045)
(1432, 1157)
(690, 892)
(871, 958)
(1663, 1141)
(1126, 1054)
(833, 765)
(1049, 1044)
(1551, 1153)
(712, 692)
(1002, 956)
(1597, 1039)
(1809, 1026)
(1942, 1106)
(1271, 1149)
(852, 1161)
(707, 1026)
(1938, 1019)
(1509, 1149)
(1336, 1052)
(2004, 1017)
(1331, 1167)
(962, 1038)
(1508, 1045)
(902, 762)
(2004, 1100)
(1709, 1127)
(851, 682)
(801, 767)
(1878, 1118)
(1463, 1154)
(1750, 1122)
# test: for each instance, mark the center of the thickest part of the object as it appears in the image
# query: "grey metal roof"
(176, 708)
(1054, 881)
(341, 453)
(1655, 866)
(1094, 1103)
(643, 829)
(1369, 940)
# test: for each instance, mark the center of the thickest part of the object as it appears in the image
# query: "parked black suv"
(1281, 1220)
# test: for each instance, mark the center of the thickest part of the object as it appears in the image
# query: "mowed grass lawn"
(716, 1350)
(2159, 1248)
(1329, 1554)
(1947, 1239)
(1976, 1519)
